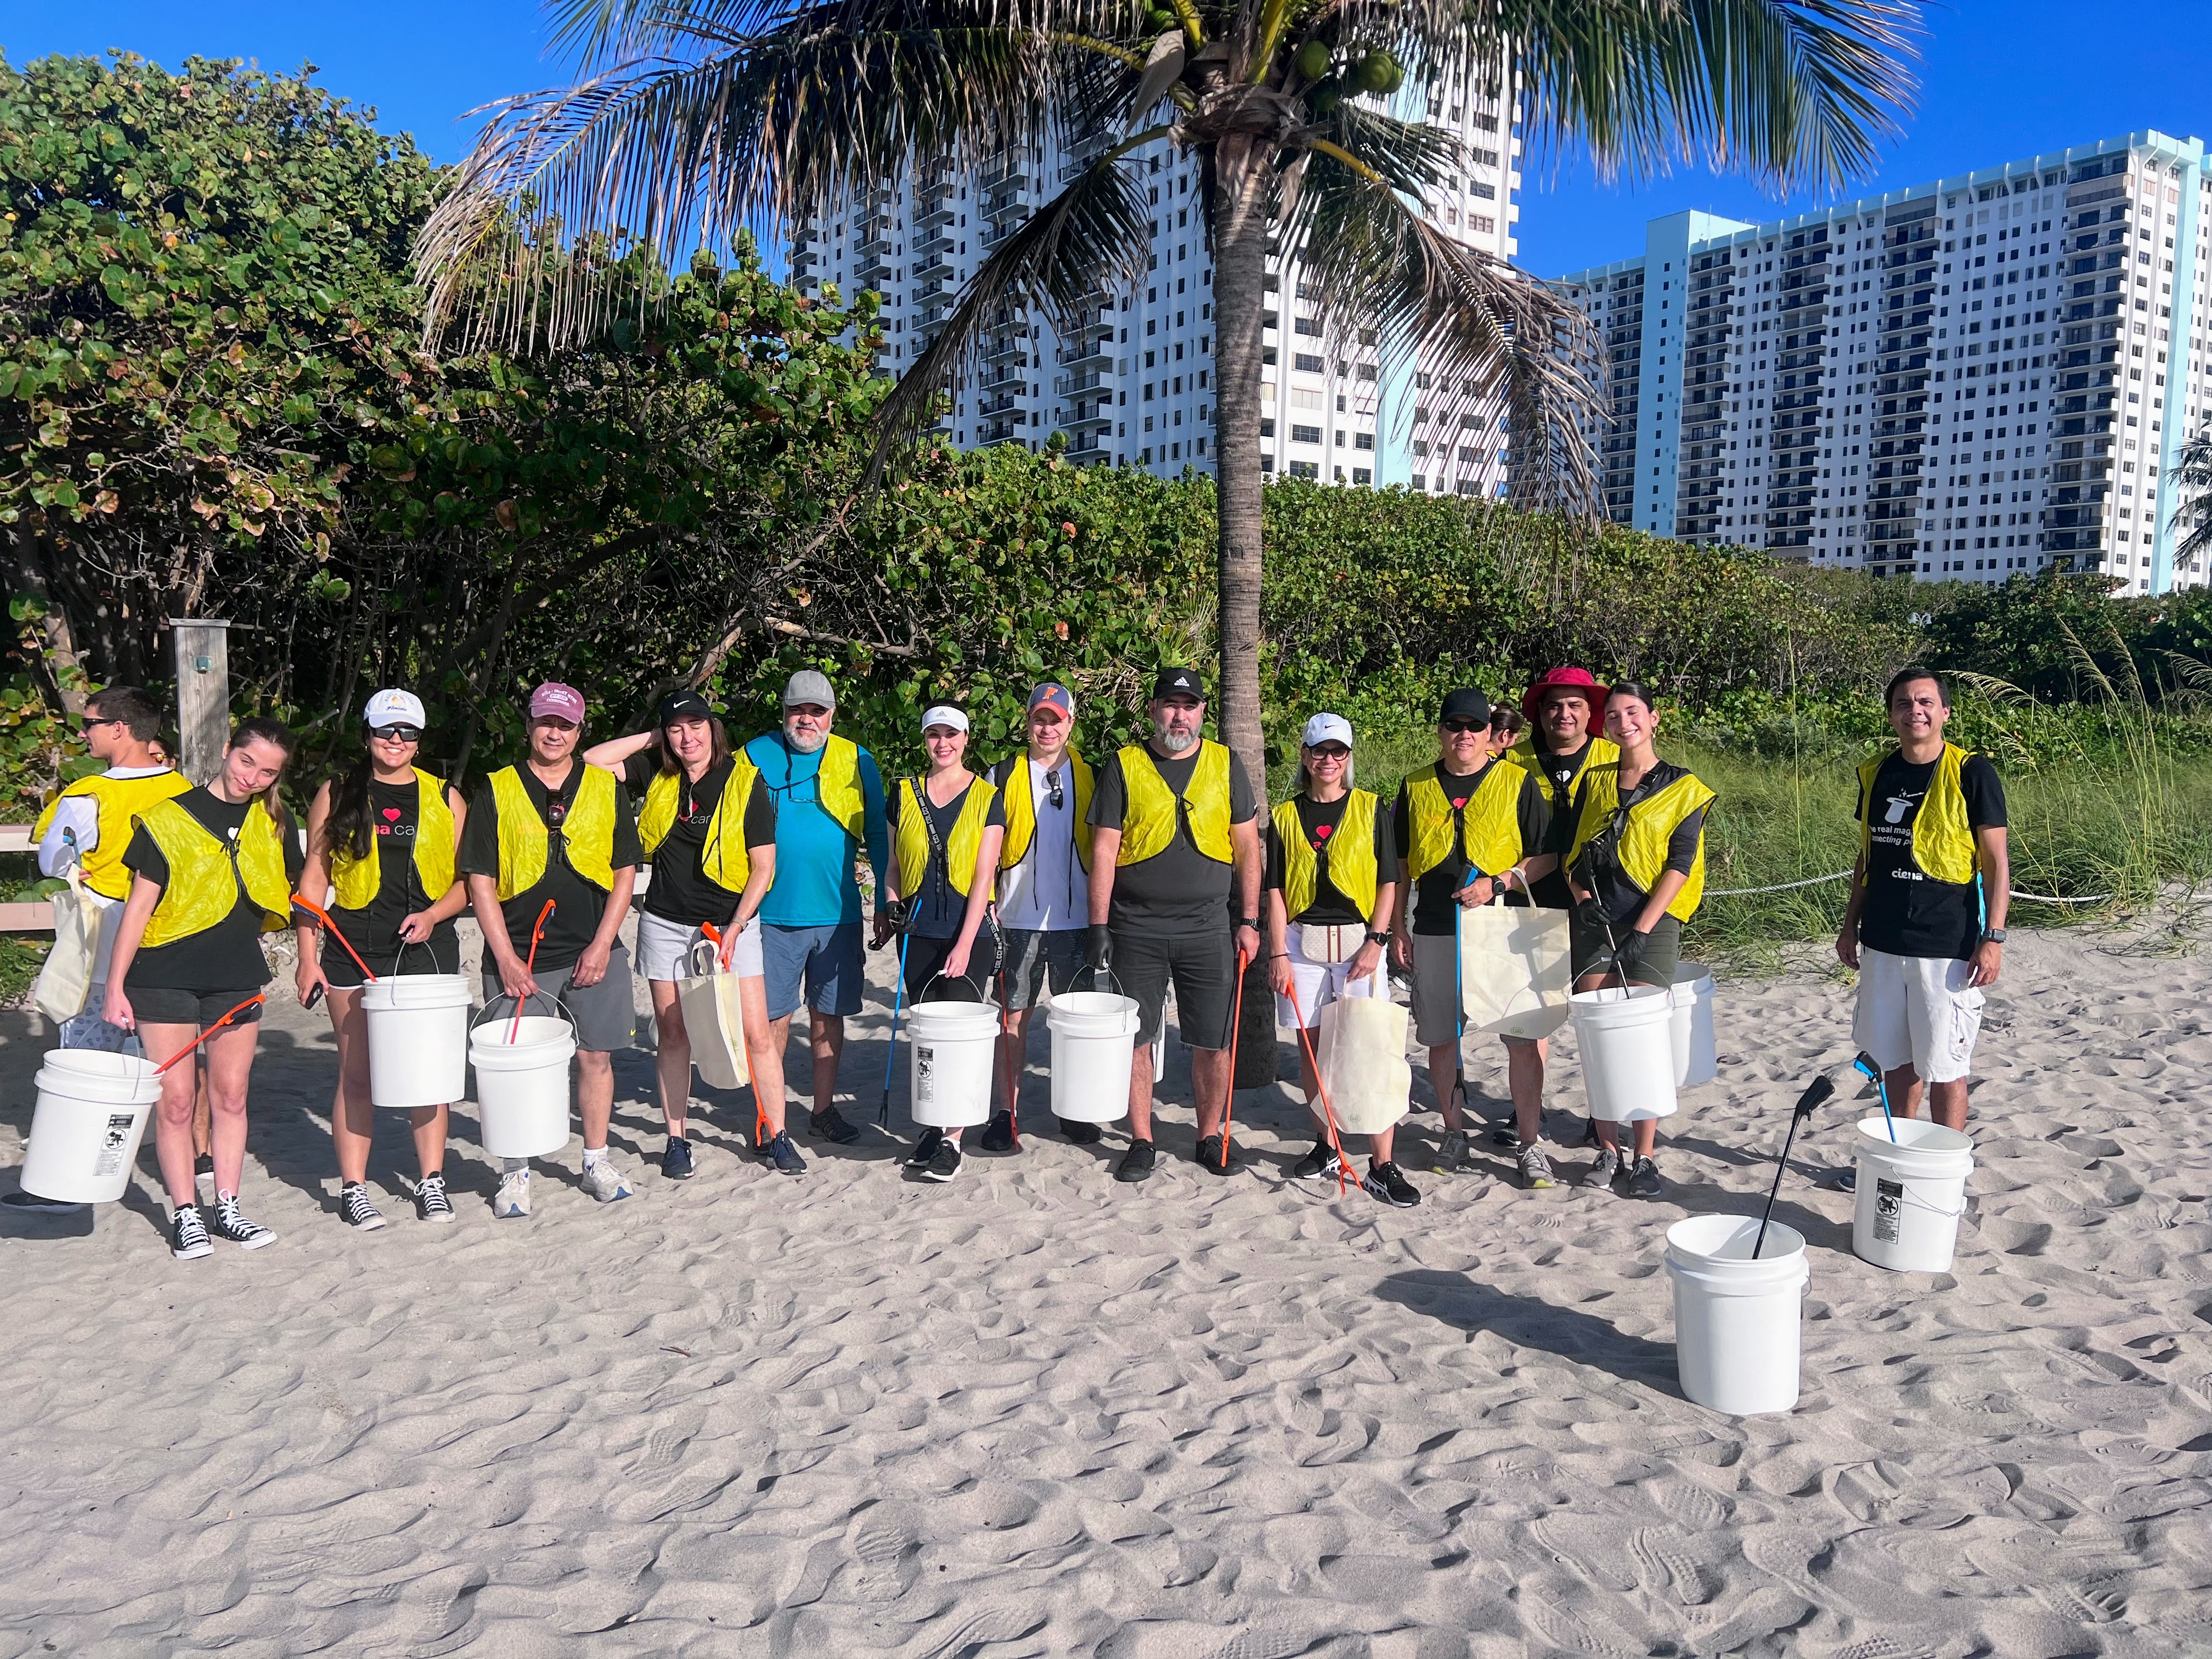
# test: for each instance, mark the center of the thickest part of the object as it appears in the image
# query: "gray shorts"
(664, 949)
(1035, 958)
(606, 1018)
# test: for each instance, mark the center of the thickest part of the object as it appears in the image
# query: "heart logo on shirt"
(1322, 834)
(392, 815)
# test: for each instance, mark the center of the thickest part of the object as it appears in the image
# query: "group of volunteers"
(1157, 869)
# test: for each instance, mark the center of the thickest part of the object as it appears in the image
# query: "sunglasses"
(1330, 751)
(1052, 791)
(1456, 726)
(397, 733)
(90, 720)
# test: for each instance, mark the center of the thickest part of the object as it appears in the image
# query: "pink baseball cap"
(561, 701)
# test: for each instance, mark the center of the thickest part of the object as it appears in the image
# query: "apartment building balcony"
(1067, 385)
(1001, 431)
(1083, 356)
(873, 273)
(1008, 347)
(803, 261)
(935, 242)
(1001, 405)
(1097, 420)
(1007, 372)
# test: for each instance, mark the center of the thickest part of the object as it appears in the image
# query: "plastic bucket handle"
(560, 1008)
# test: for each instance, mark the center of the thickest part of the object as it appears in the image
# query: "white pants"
(664, 949)
(1320, 983)
(1918, 1009)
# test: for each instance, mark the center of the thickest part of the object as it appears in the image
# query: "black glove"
(1589, 915)
(1099, 947)
(900, 912)
(1630, 951)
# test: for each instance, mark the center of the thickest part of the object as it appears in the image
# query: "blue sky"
(2001, 80)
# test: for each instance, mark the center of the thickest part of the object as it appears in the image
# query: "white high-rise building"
(1962, 381)
(1132, 383)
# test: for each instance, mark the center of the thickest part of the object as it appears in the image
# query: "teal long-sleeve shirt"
(815, 885)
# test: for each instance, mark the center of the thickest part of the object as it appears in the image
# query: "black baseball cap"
(1467, 703)
(1178, 683)
(682, 705)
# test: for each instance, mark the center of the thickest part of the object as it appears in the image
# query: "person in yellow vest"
(381, 839)
(556, 828)
(1467, 830)
(1331, 889)
(707, 830)
(1635, 865)
(1175, 896)
(88, 824)
(1044, 877)
(1925, 922)
(946, 829)
(211, 872)
(828, 808)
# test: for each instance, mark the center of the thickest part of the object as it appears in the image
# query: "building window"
(1305, 363)
(1306, 435)
(1305, 469)
(1363, 441)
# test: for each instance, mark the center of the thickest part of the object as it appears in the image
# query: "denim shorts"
(1035, 959)
(826, 960)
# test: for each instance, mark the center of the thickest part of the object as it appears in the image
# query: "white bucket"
(1627, 1041)
(418, 1038)
(1691, 998)
(1094, 1036)
(1736, 1320)
(522, 1085)
(1911, 1195)
(85, 1131)
(951, 1057)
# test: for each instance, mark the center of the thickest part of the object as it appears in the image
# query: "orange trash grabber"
(726, 951)
(331, 927)
(537, 933)
(1236, 1027)
(1321, 1087)
(257, 997)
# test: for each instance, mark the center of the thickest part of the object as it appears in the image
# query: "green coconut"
(1313, 59)
(1378, 73)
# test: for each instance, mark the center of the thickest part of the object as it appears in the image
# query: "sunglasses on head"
(1457, 726)
(397, 733)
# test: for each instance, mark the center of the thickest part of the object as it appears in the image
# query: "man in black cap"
(1175, 895)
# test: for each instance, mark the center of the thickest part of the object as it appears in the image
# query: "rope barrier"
(1841, 875)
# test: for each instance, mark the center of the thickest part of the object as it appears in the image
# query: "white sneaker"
(603, 1182)
(511, 1202)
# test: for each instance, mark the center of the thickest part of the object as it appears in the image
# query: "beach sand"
(1035, 1413)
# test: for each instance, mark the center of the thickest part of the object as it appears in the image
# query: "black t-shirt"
(1433, 893)
(227, 955)
(1179, 889)
(1551, 892)
(1330, 908)
(577, 905)
(1908, 914)
(375, 930)
(939, 908)
(679, 890)
(1622, 898)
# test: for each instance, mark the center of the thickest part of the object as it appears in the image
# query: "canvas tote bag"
(66, 979)
(1515, 969)
(713, 1020)
(1362, 1055)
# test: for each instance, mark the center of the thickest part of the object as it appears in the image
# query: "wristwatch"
(1994, 935)
(1253, 922)
(1374, 938)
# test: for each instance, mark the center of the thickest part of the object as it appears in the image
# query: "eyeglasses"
(1458, 727)
(397, 733)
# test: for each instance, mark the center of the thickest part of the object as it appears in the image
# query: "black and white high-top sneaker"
(355, 1206)
(188, 1235)
(431, 1203)
(230, 1223)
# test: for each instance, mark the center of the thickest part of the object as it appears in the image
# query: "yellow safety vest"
(1651, 824)
(524, 840)
(1353, 863)
(960, 847)
(1943, 838)
(724, 859)
(359, 880)
(1490, 825)
(1524, 755)
(1021, 809)
(837, 786)
(1149, 819)
(116, 802)
(206, 872)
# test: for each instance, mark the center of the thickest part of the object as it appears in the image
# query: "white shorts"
(1320, 983)
(664, 949)
(1919, 1010)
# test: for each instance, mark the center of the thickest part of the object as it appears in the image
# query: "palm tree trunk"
(1240, 263)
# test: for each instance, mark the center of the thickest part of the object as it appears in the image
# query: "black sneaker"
(230, 1223)
(1590, 1131)
(1320, 1164)
(1384, 1182)
(354, 1204)
(188, 1235)
(830, 1125)
(784, 1155)
(431, 1203)
(1644, 1180)
(1137, 1163)
(925, 1148)
(999, 1133)
(32, 1204)
(676, 1159)
(1504, 1134)
(1209, 1156)
(1847, 1179)
(943, 1163)
(1078, 1132)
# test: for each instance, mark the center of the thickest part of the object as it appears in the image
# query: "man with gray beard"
(1177, 839)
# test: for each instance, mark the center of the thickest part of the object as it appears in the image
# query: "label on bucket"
(925, 1078)
(1889, 1208)
(117, 1136)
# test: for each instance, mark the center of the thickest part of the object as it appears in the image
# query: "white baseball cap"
(944, 714)
(394, 707)
(1325, 728)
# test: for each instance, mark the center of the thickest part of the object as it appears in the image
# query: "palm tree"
(695, 116)
(2192, 478)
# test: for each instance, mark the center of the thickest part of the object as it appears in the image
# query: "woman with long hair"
(211, 872)
(1636, 866)
(707, 830)
(381, 842)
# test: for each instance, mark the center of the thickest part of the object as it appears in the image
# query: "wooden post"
(203, 695)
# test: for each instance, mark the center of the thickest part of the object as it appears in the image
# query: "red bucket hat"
(1580, 679)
